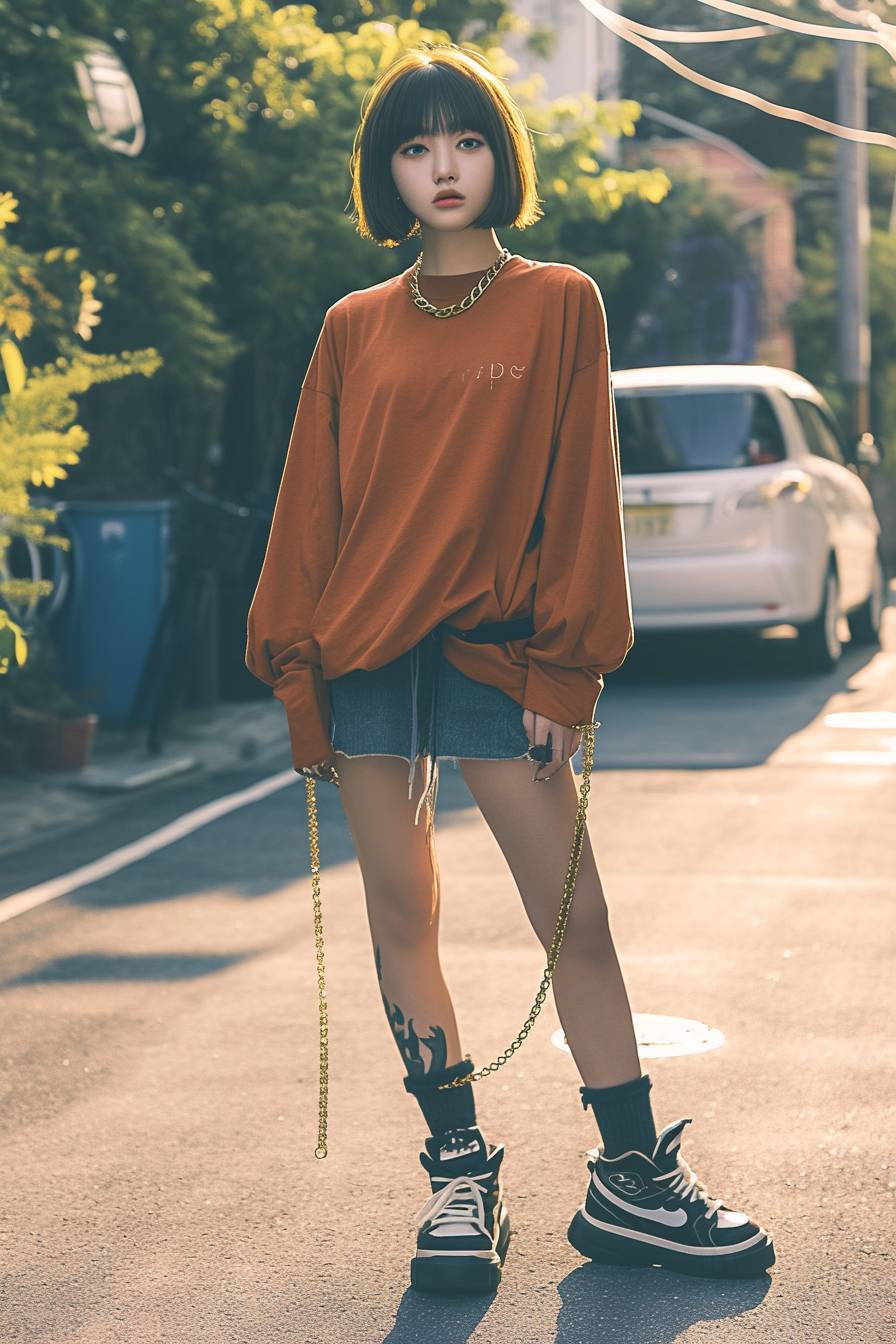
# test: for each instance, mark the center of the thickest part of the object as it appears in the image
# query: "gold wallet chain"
(587, 730)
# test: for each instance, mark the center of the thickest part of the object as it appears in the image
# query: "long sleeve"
(583, 614)
(301, 551)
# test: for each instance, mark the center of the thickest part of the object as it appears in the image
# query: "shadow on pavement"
(126, 968)
(616, 1306)
(647, 1306)
(712, 700)
(450, 1320)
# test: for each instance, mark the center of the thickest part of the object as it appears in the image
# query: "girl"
(446, 576)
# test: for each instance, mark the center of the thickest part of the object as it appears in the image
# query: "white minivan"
(743, 508)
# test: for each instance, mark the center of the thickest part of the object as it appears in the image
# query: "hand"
(564, 742)
(325, 771)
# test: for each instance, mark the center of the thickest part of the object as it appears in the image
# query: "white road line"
(783, 880)
(175, 830)
(849, 758)
(873, 719)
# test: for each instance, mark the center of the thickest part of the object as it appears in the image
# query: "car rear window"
(696, 430)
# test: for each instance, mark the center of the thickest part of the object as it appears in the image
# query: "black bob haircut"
(431, 88)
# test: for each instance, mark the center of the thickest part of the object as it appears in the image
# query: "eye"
(467, 140)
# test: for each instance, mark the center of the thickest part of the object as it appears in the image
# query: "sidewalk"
(199, 742)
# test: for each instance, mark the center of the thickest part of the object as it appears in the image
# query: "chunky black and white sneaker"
(642, 1210)
(464, 1227)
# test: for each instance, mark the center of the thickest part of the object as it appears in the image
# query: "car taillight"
(792, 487)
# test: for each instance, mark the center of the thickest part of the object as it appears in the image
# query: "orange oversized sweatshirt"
(461, 469)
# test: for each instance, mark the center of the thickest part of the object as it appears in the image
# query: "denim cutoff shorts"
(371, 715)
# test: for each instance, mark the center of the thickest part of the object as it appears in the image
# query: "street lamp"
(109, 93)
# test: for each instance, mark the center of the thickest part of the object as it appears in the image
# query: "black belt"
(429, 654)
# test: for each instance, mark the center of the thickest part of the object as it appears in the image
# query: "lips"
(448, 196)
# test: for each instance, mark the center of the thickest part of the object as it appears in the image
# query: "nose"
(444, 167)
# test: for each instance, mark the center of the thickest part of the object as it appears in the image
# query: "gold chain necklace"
(452, 309)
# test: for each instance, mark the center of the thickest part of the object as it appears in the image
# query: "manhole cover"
(660, 1036)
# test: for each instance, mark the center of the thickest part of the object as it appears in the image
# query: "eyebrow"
(466, 130)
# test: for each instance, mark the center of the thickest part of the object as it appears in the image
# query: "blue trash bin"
(118, 584)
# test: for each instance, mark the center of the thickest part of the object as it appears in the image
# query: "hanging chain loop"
(572, 873)
(314, 845)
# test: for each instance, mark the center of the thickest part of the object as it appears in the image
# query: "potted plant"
(45, 725)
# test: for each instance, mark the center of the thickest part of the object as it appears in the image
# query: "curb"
(200, 743)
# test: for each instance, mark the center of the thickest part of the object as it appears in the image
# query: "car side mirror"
(866, 452)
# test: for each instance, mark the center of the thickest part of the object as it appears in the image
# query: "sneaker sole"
(461, 1273)
(615, 1249)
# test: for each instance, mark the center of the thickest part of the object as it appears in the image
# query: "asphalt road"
(159, 1039)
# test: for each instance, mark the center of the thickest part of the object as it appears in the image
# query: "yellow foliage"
(13, 644)
(13, 366)
(39, 438)
(8, 204)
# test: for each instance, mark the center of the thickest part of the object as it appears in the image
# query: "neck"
(458, 254)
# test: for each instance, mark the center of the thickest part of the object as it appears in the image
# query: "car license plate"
(649, 520)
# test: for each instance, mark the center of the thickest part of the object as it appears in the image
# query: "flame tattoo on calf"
(408, 1040)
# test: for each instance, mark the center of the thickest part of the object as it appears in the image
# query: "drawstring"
(426, 661)
(415, 671)
(426, 664)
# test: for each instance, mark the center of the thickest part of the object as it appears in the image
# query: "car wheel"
(819, 640)
(864, 622)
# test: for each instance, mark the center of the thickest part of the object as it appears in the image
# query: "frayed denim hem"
(431, 767)
(397, 756)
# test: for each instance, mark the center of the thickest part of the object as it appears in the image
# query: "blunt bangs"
(427, 91)
(432, 99)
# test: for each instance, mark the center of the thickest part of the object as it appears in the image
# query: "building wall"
(573, 66)
(761, 199)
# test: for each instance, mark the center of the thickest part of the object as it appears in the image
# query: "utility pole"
(609, 77)
(853, 235)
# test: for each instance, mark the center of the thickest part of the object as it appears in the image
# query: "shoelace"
(683, 1182)
(460, 1201)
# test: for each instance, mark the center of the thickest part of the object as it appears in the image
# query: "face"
(429, 164)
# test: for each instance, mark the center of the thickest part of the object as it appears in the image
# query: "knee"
(404, 912)
(588, 927)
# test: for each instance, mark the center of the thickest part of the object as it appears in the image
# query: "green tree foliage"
(466, 20)
(223, 242)
(78, 194)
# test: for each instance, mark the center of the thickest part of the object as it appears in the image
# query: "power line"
(623, 28)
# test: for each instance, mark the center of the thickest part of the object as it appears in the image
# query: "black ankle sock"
(452, 1108)
(624, 1115)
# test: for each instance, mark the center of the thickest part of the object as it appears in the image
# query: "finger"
(545, 768)
(559, 757)
(536, 727)
(551, 770)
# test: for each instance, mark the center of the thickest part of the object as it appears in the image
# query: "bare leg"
(534, 825)
(400, 872)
